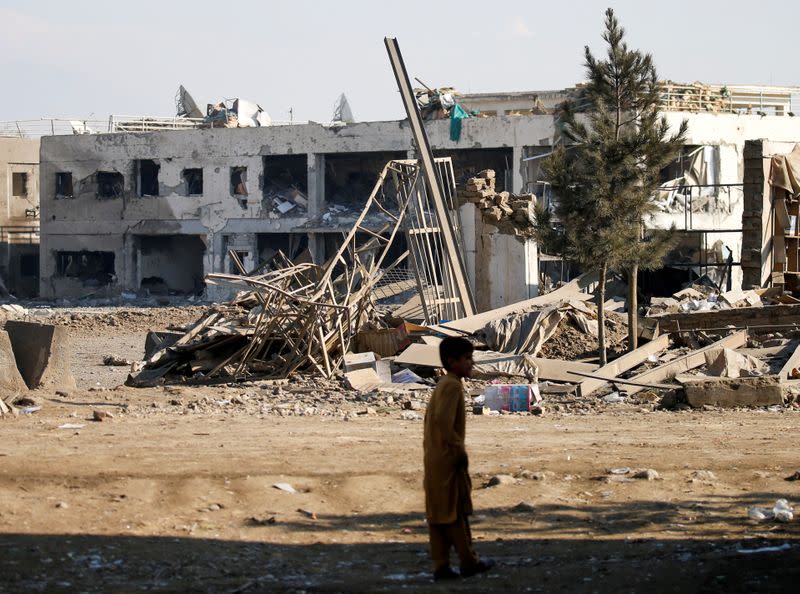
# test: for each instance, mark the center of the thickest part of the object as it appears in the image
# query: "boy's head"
(456, 355)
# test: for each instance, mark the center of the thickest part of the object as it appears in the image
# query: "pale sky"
(92, 58)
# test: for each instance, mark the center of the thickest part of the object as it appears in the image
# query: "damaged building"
(155, 211)
(19, 216)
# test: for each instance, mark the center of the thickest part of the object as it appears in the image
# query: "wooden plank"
(617, 380)
(572, 290)
(692, 360)
(452, 255)
(742, 317)
(623, 364)
(423, 355)
(561, 371)
(427, 355)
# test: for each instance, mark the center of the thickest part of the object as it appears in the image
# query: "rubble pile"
(570, 343)
(290, 319)
(700, 297)
(511, 213)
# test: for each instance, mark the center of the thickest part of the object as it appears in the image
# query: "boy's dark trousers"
(458, 535)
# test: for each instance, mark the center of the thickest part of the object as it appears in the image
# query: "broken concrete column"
(726, 392)
(11, 382)
(42, 353)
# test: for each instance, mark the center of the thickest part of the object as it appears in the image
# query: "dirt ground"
(170, 497)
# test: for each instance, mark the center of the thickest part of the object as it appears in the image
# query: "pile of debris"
(700, 297)
(511, 213)
(298, 315)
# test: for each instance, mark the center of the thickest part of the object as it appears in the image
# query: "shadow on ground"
(564, 548)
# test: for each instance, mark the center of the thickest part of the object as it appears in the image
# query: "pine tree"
(605, 178)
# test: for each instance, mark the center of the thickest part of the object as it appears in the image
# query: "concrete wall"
(19, 240)
(87, 221)
(758, 256)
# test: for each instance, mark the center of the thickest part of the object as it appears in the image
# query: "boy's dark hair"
(454, 347)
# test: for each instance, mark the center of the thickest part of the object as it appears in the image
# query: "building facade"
(19, 216)
(159, 210)
(156, 211)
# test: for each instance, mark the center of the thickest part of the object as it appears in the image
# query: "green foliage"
(608, 171)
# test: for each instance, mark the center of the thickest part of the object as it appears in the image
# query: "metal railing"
(114, 124)
(741, 99)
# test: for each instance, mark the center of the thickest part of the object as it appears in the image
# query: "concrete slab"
(11, 382)
(726, 392)
(42, 353)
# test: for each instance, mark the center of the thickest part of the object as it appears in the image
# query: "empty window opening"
(110, 184)
(171, 264)
(695, 165)
(285, 180)
(92, 268)
(269, 245)
(29, 265)
(350, 177)
(468, 162)
(19, 184)
(193, 178)
(239, 181)
(148, 177)
(64, 184)
(243, 257)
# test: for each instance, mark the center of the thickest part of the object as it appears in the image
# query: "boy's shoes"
(480, 567)
(445, 573)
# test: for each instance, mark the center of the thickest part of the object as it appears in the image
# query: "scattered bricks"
(493, 214)
(475, 184)
(726, 392)
(486, 174)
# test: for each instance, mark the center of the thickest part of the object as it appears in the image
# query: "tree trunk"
(601, 315)
(633, 307)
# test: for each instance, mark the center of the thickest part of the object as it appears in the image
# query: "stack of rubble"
(695, 96)
(699, 297)
(511, 213)
(295, 316)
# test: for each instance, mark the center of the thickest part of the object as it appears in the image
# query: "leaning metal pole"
(454, 257)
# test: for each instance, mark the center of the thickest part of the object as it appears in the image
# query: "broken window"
(193, 178)
(239, 181)
(243, 257)
(19, 184)
(148, 177)
(64, 184)
(90, 267)
(291, 245)
(29, 265)
(171, 264)
(110, 184)
(695, 165)
(350, 177)
(286, 181)
(468, 162)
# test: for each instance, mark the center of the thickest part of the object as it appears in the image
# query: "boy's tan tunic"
(447, 483)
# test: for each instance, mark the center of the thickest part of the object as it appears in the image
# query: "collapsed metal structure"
(303, 315)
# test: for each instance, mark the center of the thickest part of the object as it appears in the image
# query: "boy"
(448, 500)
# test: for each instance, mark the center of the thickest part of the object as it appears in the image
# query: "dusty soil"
(175, 492)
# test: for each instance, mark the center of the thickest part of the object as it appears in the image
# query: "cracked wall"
(85, 221)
